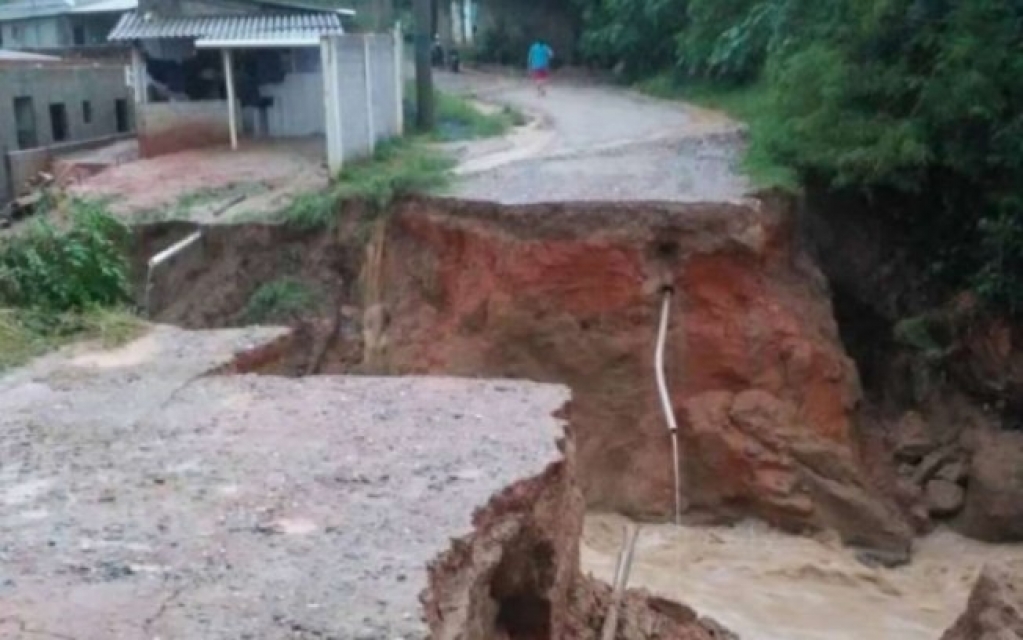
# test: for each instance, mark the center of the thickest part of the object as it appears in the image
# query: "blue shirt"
(539, 56)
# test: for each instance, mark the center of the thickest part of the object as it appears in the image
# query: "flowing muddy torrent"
(765, 585)
(767, 401)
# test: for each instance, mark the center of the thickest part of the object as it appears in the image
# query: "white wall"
(297, 108)
(362, 93)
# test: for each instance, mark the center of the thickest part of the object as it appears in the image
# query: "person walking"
(539, 63)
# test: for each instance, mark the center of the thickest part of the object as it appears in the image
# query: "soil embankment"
(570, 293)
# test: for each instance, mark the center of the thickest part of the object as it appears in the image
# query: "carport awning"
(227, 32)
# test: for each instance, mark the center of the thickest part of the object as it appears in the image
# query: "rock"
(994, 498)
(887, 559)
(931, 463)
(782, 471)
(954, 471)
(994, 610)
(944, 497)
(911, 438)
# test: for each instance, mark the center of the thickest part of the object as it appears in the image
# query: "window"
(121, 114)
(78, 35)
(58, 121)
(25, 121)
(86, 112)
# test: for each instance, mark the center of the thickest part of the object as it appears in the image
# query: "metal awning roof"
(105, 6)
(252, 30)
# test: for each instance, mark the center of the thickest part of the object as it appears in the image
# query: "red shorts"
(539, 74)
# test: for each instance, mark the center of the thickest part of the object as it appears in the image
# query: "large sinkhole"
(571, 294)
(769, 406)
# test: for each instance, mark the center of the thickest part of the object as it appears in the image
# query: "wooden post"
(229, 79)
(422, 22)
(138, 75)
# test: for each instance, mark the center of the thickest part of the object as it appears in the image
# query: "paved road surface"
(141, 499)
(591, 142)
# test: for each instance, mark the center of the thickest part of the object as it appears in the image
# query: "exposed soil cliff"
(943, 375)
(571, 293)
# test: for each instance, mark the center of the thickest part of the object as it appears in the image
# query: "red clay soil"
(571, 293)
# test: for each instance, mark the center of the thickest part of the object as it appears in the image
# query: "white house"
(59, 24)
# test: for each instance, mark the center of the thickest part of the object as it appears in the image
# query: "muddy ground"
(213, 185)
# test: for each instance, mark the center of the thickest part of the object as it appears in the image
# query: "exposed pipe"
(621, 580)
(662, 389)
(163, 256)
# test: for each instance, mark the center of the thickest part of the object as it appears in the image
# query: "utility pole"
(422, 14)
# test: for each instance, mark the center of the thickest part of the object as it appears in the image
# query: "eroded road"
(142, 498)
(595, 142)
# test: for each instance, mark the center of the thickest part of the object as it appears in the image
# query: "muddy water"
(765, 585)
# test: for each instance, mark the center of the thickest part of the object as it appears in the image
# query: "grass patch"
(399, 167)
(460, 119)
(279, 302)
(310, 210)
(28, 333)
(744, 103)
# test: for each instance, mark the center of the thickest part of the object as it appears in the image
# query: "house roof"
(254, 30)
(24, 9)
(106, 6)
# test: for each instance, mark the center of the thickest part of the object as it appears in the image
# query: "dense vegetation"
(914, 106)
(63, 281)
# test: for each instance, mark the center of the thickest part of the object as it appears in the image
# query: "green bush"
(279, 302)
(637, 35)
(912, 107)
(58, 270)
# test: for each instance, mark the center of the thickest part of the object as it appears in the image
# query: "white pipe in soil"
(662, 390)
(621, 580)
(165, 255)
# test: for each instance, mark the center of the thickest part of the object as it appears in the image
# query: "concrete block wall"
(362, 94)
(356, 139)
(59, 83)
(386, 102)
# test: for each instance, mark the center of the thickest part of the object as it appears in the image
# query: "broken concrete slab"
(140, 497)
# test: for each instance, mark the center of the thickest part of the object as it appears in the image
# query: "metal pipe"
(621, 580)
(162, 257)
(662, 389)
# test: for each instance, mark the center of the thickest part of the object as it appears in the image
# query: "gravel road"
(593, 142)
(140, 498)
